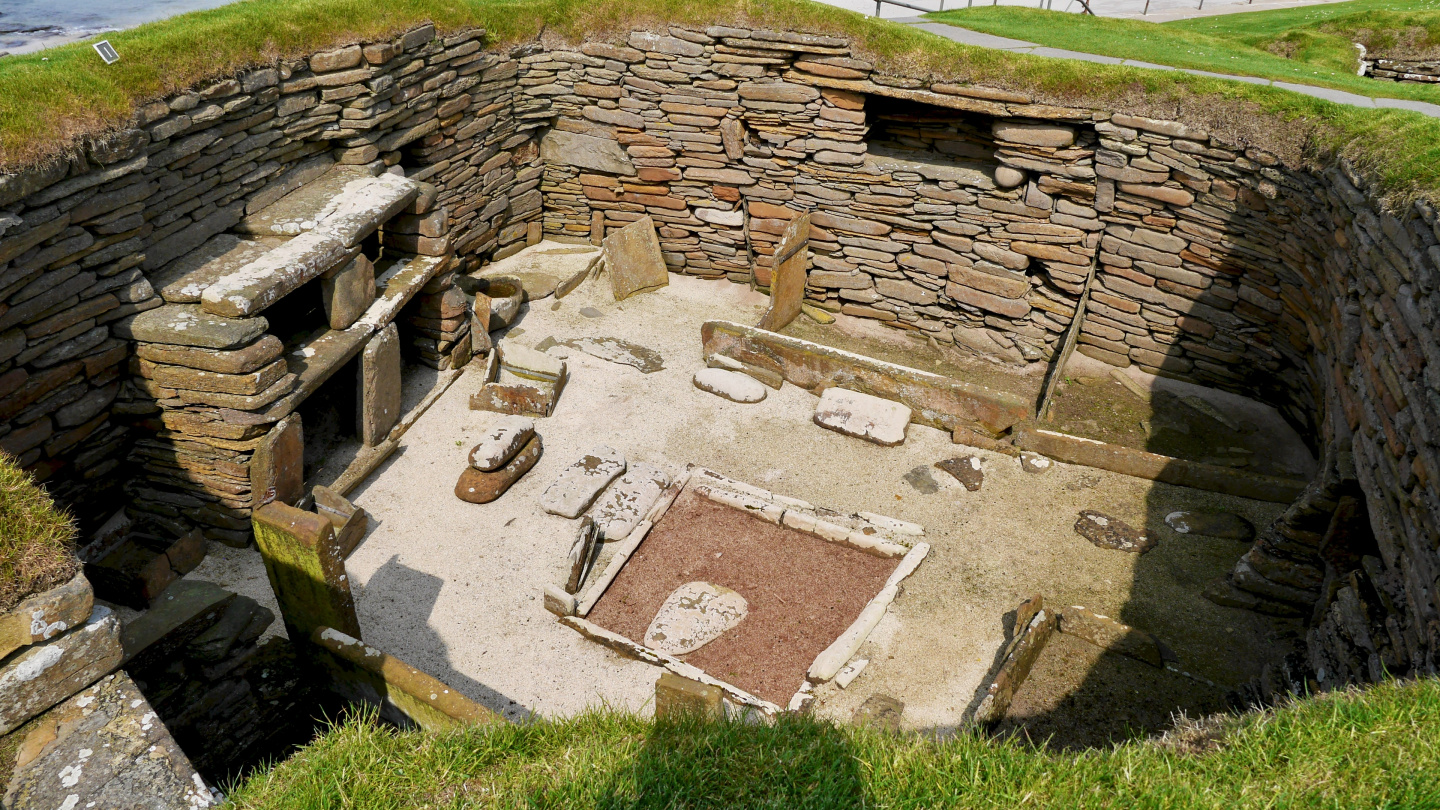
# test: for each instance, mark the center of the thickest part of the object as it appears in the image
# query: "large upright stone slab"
(37, 678)
(45, 615)
(189, 325)
(306, 569)
(348, 291)
(585, 152)
(787, 275)
(104, 748)
(277, 469)
(633, 259)
(378, 399)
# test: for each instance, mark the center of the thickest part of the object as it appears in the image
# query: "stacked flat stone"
(508, 450)
(191, 182)
(1410, 71)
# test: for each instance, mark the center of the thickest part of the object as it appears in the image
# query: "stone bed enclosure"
(974, 215)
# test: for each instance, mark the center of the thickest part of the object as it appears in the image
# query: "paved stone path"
(983, 40)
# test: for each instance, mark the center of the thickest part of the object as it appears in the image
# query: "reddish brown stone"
(475, 486)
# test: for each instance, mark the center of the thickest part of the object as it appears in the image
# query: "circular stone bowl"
(505, 294)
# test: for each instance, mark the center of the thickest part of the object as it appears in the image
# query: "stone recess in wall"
(966, 213)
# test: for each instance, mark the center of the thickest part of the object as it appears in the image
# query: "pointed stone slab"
(862, 416)
(184, 280)
(45, 615)
(582, 554)
(501, 441)
(580, 483)
(1109, 532)
(189, 325)
(788, 276)
(633, 259)
(620, 509)
(694, 615)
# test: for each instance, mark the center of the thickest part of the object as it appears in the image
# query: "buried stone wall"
(971, 214)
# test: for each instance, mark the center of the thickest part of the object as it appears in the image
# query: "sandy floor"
(454, 588)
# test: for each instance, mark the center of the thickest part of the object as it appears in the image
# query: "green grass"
(48, 101)
(1376, 748)
(36, 539)
(1325, 33)
(1251, 44)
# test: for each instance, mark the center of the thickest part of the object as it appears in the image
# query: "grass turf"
(1256, 43)
(1374, 748)
(36, 539)
(49, 100)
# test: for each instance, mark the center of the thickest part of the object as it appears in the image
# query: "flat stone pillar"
(277, 469)
(348, 291)
(788, 276)
(378, 400)
(306, 570)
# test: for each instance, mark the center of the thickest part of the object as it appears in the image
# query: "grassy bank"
(1311, 45)
(35, 538)
(1377, 748)
(47, 101)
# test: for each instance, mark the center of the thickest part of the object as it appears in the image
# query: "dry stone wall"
(970, 214)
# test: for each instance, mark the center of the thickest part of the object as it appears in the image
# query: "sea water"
(32, 25)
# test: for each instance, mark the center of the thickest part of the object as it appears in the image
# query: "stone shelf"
(300, 210)
(185, 279)
(969, 173)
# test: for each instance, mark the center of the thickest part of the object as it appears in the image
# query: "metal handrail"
(1084, 4)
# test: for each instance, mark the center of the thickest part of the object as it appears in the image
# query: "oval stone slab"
(1225, 525)
(731, 385)
(501, 441)
(694, 615)
(1108, 532)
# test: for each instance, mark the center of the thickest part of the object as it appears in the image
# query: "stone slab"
(44, 674)
(184, 280)
(241, 360)
(579, 484)
(348, 292)
(621, 508)
(475, 486)
(189, 325)
(732, 385)
(46, 614)
(502, 439)
(677, 696)
(694, 615)
(248, 290)
(1106, 531)
(863, 416)
(1142, 464)
(788, 275)
(585, 152)
(301, 210)
(938, 402)
(378, 401)
(277, 469)
(633, 259)
(182, 612)
(615, 350)
(1224, 525)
